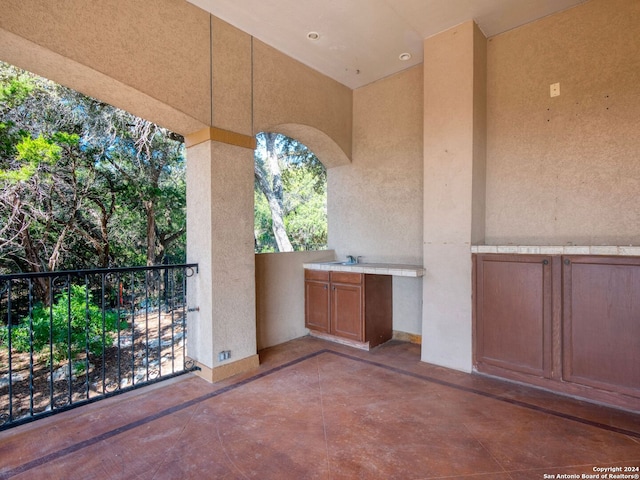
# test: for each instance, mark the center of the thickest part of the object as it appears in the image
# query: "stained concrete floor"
(315, 409)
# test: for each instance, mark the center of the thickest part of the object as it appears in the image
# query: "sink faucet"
(352, 259)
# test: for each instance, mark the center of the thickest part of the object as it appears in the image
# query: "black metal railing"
(72, 337)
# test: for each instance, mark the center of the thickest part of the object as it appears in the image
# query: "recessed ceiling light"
(313, 35)
(404, 56)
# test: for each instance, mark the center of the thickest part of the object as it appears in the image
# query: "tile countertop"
(622, 250)
(372, 268)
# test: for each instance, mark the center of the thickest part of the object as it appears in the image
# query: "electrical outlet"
(224, 355)
(554, 89)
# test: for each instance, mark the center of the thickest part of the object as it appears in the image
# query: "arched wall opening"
(321, 144)
(291, 188)
(290, 196)
(280, 276)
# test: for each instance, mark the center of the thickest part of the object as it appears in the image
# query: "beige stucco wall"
(151, 58)
(174, 64)
(220, 239)
(231, 78)
(566, 170)
(287, 92)
(479, 169)
(375, 204)
(280, 295)
(454, 162)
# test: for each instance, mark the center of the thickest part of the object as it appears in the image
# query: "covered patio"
(315, 409)
(466, 152)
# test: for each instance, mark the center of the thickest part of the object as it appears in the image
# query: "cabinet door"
(513, 314)
(346, 311)
(601, 334)
(316, 315)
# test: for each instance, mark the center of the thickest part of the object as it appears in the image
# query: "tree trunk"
(41, 288)
(274, 166)
(149, 208)
(279, 232)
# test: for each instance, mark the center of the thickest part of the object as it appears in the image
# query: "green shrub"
(83, 326)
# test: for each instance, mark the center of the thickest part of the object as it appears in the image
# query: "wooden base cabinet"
(513, 314)
(566, 323)
(601, 323)
(352, 306)
(317, 305)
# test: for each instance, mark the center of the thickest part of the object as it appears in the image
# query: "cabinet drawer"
(346, 277)
(320, 275)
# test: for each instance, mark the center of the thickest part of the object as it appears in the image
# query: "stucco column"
(454, 189)
(220, 235)
(220, 240)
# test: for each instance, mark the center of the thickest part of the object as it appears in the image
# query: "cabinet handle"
(545, 262)
(567, 262)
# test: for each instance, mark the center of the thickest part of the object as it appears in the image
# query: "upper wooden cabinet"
(352, 306)
(566, 323)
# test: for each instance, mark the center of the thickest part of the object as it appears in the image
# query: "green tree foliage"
(84, 184)
(149, 162)
(14, 89)
(263, 224)
(75, 325)
(291, 188)
(306, 207)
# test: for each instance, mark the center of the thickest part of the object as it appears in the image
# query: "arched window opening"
(290, 196)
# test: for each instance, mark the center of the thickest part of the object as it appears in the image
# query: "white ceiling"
(360, 40)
